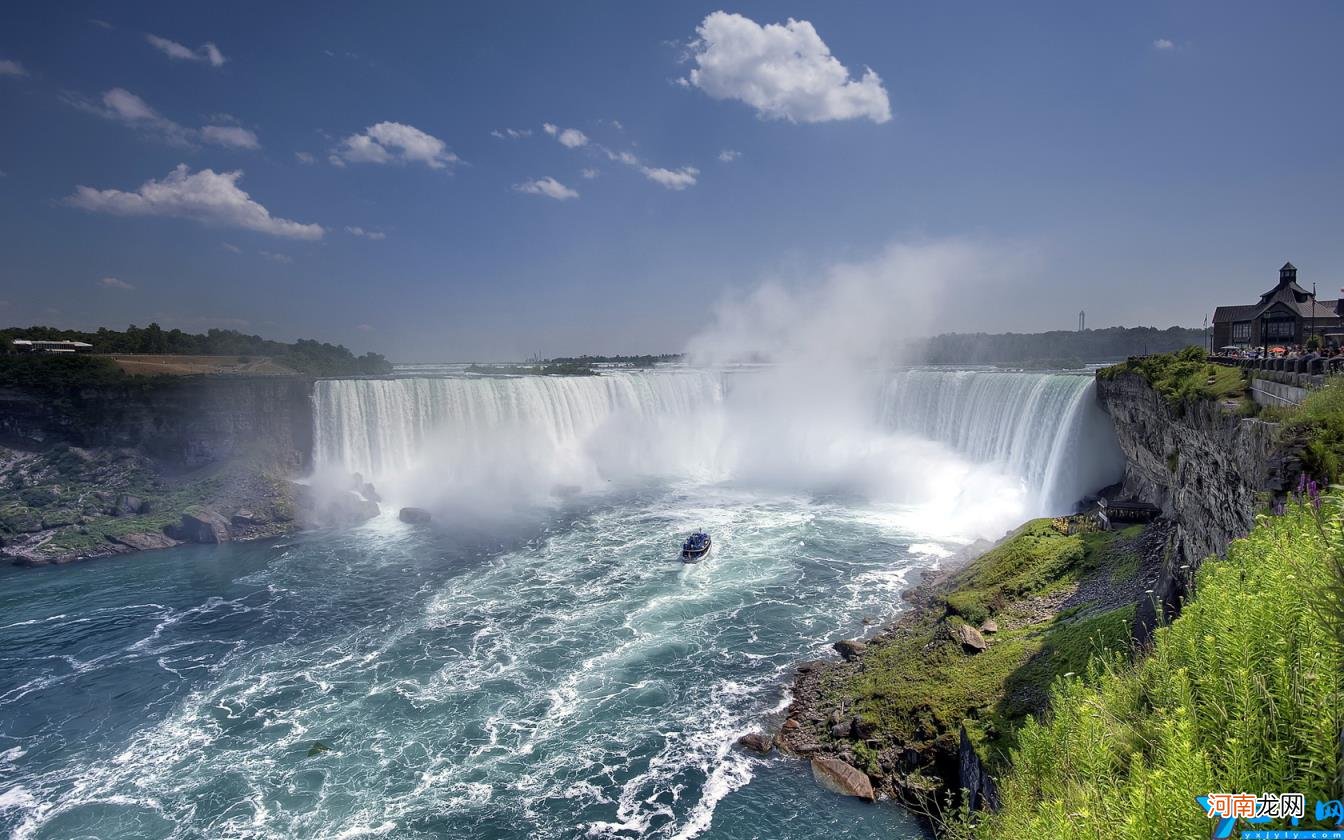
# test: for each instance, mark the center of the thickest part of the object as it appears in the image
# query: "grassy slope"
(1187, 375)
(1243, 692)
(919, 684)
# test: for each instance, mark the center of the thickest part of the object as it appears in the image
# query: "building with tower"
(1286, 314)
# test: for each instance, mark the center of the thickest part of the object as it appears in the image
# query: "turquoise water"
(561, 676)
(540, 663)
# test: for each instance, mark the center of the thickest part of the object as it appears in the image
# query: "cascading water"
(557, 674)
(1047, 429)
(524, 435)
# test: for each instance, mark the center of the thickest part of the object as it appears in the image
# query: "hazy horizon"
(499, 182)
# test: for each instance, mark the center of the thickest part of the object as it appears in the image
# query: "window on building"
(1280, 330)
(1241, 332)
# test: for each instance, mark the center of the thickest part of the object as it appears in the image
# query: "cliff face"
(1205, 467)
(189, 422)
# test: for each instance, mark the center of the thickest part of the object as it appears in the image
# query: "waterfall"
(538, 430)
(1046, 428)
(495, 438)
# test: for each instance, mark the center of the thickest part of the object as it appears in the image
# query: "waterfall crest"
(533, 433)
(1045, 428)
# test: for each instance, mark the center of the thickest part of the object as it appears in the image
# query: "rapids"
(538, 663)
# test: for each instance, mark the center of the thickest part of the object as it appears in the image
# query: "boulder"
(414, 515)
(323, 508)
(844, 779)
(849, 649)
(840, 731)
(144, 542)
(246, 518)
(990, 626)
(367, 491)
(202, 525)
(970, 639)
(756, 742)
(790, 725)
(128, 505)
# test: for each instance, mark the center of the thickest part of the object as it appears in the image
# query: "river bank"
(928, 710)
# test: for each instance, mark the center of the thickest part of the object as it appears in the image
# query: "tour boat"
(695, 547)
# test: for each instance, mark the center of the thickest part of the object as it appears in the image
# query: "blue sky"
(1153, 159)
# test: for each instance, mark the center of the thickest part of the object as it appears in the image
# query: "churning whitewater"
(552, 671)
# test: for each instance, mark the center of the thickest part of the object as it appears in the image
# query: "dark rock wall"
(187, 422)
(1209, 471)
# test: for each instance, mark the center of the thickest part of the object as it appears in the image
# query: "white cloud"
(549, 187)
(363, 327)
(1164, 44)
(229, 246)
(305, 158)
(673, 179)
(276, 257)
(120, 105)
(590, 174)
(207, 52)
(207, 196)
(230, 135)
(511, 133)
(390, 142)
(114, 283)
(729, 155)
(355, 230)
(570, 138)
(101, 24)
(11, 68)
(784, 71)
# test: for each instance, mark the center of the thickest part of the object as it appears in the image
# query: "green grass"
(1243, 692)
(920, 685)
(1183, 376)
(1318, 426)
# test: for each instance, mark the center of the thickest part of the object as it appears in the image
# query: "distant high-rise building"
(1082, 320)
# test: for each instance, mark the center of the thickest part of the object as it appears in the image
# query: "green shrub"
(1244, 692)
(1184, 376)
(1318, 424)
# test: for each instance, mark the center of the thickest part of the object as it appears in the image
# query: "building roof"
(1288, 267)
(27, 342)
(1234, 313)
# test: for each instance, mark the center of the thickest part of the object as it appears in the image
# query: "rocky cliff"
(187, 422)
(1209, 470)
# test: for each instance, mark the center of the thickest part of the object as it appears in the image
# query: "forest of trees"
(305, 355)
(1056, 349)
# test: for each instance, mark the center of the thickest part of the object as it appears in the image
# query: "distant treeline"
(305, 355)
(545, 369)
(646, 361)
(1058, 348)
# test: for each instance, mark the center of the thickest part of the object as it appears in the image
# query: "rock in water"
(970, 638)
(414, 515)
(203, 525)
(849, 649)
(318, 748)
(756, 742)
(839, 777)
